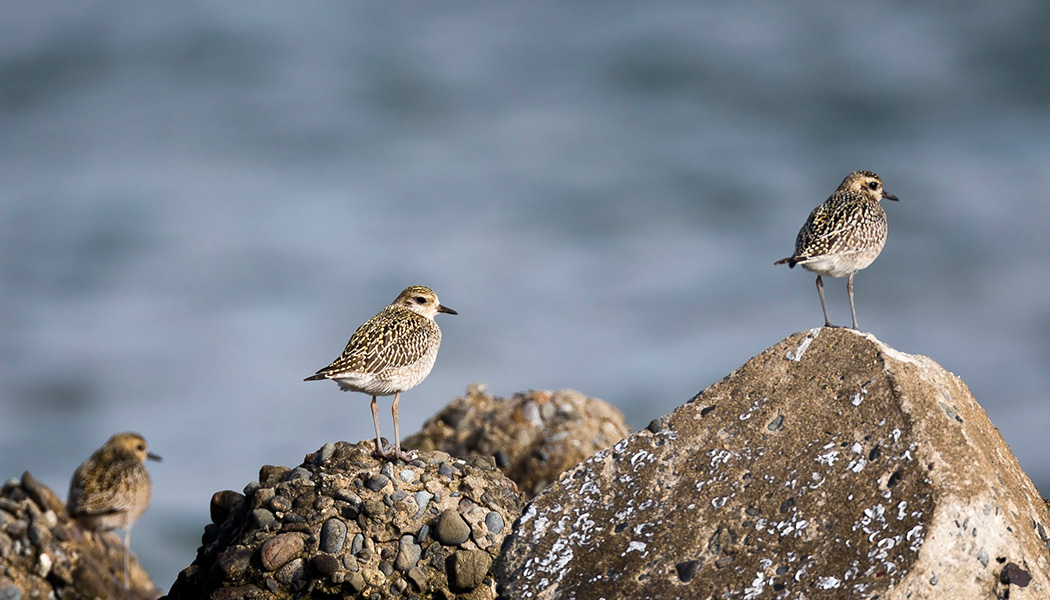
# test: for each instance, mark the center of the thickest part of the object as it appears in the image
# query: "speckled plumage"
(112, 489)
(391, 352)
(844, 234)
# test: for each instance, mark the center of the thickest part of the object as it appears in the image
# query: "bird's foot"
(382, 454)
(405, 455)
(395, 454)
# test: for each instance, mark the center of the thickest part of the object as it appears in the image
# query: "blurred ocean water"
(201, 201)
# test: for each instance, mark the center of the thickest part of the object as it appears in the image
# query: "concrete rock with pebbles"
(344, 524)
(829, 466)
(534, 436)
(45, 554)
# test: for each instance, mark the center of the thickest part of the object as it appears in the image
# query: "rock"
(333, 535)
(237, 593)
(234, 561)
(467, 569)
(222, 503)
(1012, 573)
(418, 578)
(278, 504)
(358, 544)
(300, 472)
(494, 522)
(533, 436)
(45, 554)
(325, 564)
(422, 499)
(280, 549)
(89, 583)
(352, 531)
(263, 518)
(325, 453)
(451, 529)
(291, 573)
(41, 495)
(882, 478)
(408, 553)
(377, 482)
(271, 475)
(356, 582)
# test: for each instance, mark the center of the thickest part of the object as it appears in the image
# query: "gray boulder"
(829, 466)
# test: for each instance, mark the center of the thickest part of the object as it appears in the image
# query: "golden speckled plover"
(111, 489)
(390, 353)
(844, 234)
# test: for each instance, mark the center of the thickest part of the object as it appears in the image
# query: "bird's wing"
(108, 494)
(825, 222)
(385, 343)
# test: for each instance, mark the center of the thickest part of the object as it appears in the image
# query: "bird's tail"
(315, 377)
(790, 260)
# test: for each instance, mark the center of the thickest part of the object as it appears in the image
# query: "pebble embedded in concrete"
(451, 529)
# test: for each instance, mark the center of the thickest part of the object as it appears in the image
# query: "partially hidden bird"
(112, 489)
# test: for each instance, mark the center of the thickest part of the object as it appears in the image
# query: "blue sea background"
(200, 201)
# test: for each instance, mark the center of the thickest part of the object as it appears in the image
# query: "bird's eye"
(420, 300)
(873, 185)
(141, 447)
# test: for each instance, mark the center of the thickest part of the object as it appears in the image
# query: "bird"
(843, 235)
(111, 489)
(390, 353)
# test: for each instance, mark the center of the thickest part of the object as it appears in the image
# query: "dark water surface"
(200, 202)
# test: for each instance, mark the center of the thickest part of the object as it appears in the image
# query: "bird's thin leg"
(823, 304)
(852, 309)
(127, 544)
(375, 421)
(405, 456)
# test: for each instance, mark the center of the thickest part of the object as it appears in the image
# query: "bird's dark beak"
(889, 196)
(445, 309)
(153, 456)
